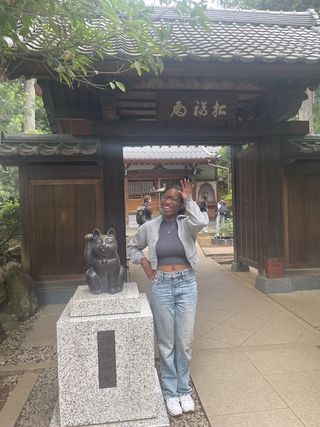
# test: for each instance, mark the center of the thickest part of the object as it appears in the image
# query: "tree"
(223, 173)
(95, 26)
(29, 124)
(12, 117)
(13, 107)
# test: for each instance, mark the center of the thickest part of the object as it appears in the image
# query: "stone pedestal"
(239, 267)
(222, 241)
(287, 284)
(106, 361)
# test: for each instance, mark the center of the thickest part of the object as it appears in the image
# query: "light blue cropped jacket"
(148, 234)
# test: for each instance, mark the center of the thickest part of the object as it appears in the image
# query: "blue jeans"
(173, 302)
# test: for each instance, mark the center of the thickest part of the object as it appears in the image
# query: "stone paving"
(255, 363)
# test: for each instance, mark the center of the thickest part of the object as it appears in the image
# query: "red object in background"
(274, 267)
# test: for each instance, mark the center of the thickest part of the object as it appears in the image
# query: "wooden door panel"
(62, 214)
(303, 234)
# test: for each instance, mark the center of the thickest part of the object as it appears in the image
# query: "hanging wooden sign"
(203, 109)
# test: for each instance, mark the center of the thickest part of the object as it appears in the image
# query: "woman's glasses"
(172, 199)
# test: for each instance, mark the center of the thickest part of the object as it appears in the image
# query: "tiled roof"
(309, 144)
(173, 152)
(234, 35)
(46, 145)
(66, 145)
(21, 145)
(42, 149)
(308, 18)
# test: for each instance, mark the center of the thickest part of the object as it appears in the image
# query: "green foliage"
(9, 226)
(224, 154)
(316, 112)
(12, 108)
(286, 5)
(66, 25)
(228, 197)
(226, 229)
(223, 175)
(9, 183)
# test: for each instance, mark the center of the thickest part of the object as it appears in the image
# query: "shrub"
(9, 226)
(226, 229)
(228, 197)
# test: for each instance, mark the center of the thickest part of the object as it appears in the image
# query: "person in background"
(222, 212)
(172, 256)
(148, 207)
(204, 209)
(144, 211)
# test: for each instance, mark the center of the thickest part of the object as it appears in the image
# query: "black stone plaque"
(107, 359)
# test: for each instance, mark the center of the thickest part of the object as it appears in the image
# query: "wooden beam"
(143, 133)
(149, 173)
(192, 83)
(113, 194)
(215, 69)
(254, 70)
(187, 68)
(43, 160)
(271, 244)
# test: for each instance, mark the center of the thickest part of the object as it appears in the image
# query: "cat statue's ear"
(96, 232)
(111, 232)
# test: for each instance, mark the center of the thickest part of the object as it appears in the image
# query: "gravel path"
(38, 409)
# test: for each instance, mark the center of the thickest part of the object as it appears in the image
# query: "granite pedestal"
(287, 284)
(106, 361)
(239, 267)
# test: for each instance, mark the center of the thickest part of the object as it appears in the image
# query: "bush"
(228, 197)
(226, 229)
(9, 226)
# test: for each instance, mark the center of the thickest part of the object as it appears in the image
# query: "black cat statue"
(104, 271)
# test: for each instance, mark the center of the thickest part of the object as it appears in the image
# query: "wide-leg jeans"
(173, 302)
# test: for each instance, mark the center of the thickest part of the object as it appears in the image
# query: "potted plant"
(225, 236)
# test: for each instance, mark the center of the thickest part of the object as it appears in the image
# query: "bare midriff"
(173, 267)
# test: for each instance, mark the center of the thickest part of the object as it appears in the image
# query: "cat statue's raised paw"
(104, 271)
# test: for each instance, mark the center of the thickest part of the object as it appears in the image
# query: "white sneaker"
(173, 406)
(187, 403)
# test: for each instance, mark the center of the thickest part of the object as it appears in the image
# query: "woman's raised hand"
(186, 189)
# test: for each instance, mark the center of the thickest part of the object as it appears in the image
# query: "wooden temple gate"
(238, 91)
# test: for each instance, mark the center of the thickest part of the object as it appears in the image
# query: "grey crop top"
(169, 248)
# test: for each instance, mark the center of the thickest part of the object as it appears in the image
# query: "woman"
(172, 256)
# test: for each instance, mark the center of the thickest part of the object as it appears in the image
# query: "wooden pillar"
(235, 205)
(237, 265)
(24, 217)
(126, 195)
(271, 243)
(113, 192)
